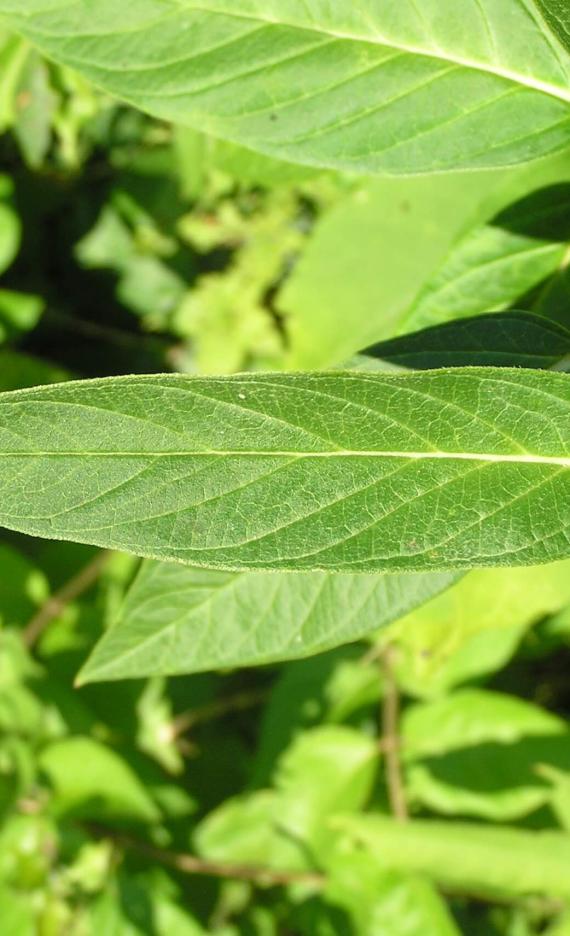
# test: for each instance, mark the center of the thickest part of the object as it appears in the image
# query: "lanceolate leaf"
(378, 85)
(495, 264)
(182, 620)
(332, 471)
(507, 339)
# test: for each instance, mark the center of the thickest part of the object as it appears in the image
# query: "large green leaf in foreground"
(334, 471)
(176, 619)
(376, 86)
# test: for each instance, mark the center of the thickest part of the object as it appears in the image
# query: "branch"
(191, 864)
(391, 741)
(216, 709)
(54, 606)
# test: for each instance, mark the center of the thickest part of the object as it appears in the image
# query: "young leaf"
(507, 339)
(333, 471)
(371, 87)
(178, 619)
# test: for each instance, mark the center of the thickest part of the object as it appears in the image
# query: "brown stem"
(191, 864)
(235, 703)
(390, 739)
(72, 589)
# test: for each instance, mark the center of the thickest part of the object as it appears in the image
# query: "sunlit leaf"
(368, 87)
(341, 471)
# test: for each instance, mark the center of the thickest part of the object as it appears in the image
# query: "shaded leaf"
(507, 339)
(495, 264)
(177, 619)
(557, 14)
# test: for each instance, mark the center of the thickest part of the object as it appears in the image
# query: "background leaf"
(506, 339)
(464, 855)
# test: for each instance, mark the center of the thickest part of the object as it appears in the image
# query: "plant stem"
(57, 603)
(191, 864)
(391, 740)
(217, 709)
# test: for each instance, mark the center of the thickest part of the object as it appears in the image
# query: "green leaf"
(182, 620)
(389, 238)
(19, 312)
(507, 339)
(91, 780)
(326, 771)
(468, 857)
(557, 15)
(9, 225)
(19, 370)
(474, 627)
(470, 717)
(361, 472)
(369, 87)
(475, 753)
(380, 901)
(493, 265)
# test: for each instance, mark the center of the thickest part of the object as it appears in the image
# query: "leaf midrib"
(527, 81)
(499, 458)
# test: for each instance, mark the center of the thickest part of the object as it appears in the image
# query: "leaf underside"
(334, 471)
(177, 619)
(375, 86)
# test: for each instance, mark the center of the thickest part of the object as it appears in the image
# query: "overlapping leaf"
(557, 14)
(178, 619)
(495, 264)
(332, 471)
(370, 86)
(507, 339)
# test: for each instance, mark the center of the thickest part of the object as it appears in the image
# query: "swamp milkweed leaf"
(493, 265)
(388, 87)
(343, 472)
(176, 619)
(505, 339)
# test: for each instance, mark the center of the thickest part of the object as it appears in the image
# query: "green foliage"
(154, 466)
(367, 88)
(510, 339)
(399, 764)
(165, 624)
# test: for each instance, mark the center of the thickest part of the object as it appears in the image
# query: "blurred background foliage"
(238, 803)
